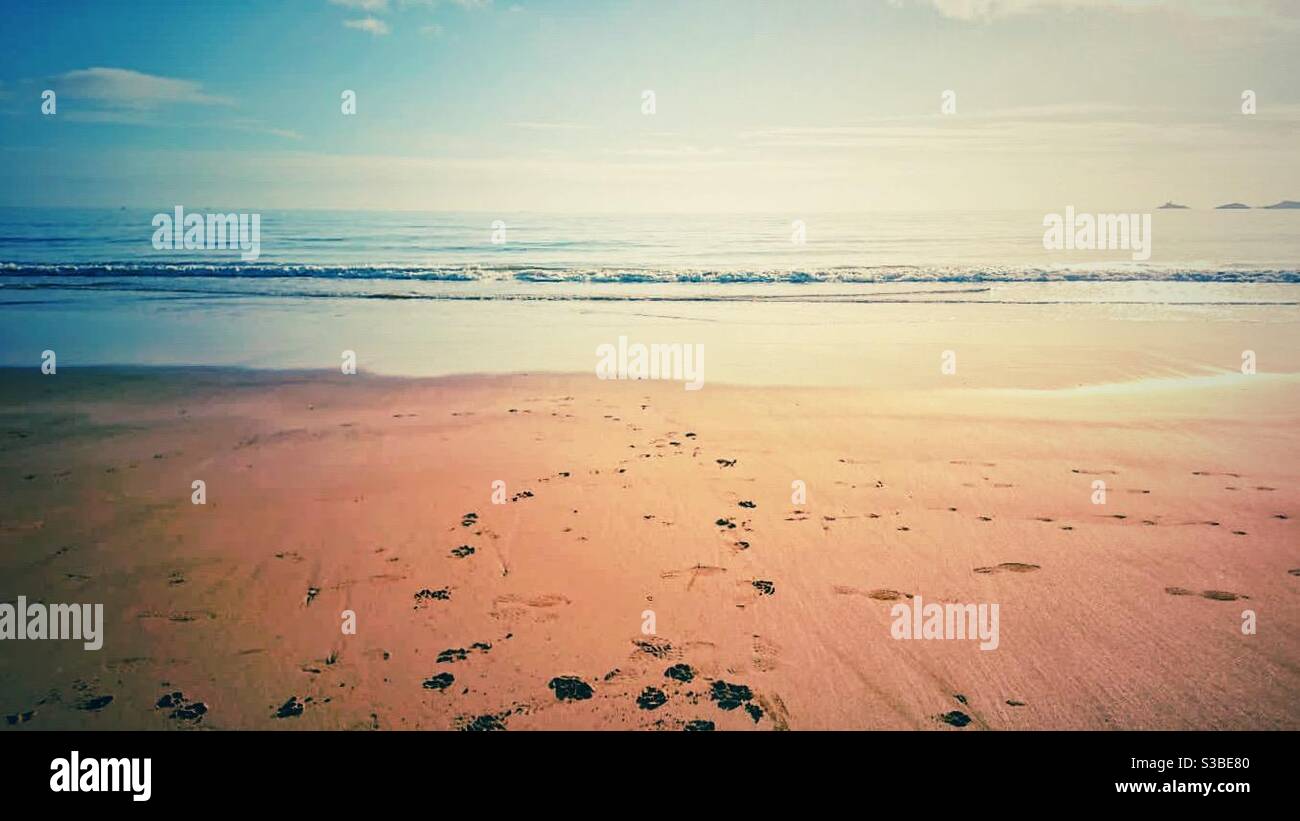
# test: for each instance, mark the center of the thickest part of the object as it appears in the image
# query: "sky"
(539, 105)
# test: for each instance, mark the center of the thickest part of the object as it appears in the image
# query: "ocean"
(431, 293)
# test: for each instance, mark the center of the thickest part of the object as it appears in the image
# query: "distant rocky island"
(1234, 206)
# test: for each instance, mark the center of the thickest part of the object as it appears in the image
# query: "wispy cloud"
(151, 119)
(681, 152)
(258, 127)
(371, 25)
(1074, 129)
(122, 88)
(987, 10)
(379, 27)
(549, 126)
(363, 5)
(990, 9)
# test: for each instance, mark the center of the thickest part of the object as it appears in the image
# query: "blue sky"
(814, 106)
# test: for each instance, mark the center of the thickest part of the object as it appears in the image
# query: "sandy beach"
(629, 501)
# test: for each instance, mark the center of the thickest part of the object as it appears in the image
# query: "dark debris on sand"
(439, 682)
(651, 698)
(181, 708)
(680, 672)
(426, 595)
(483, 724)
(729, 696)
(956, 718)
(570, 688)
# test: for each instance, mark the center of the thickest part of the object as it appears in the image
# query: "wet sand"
(327, 493)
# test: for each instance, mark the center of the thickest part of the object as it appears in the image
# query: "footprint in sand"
(766, 654)
(20, 718)
(1215, 595)
(658, 648)
(695, 573)
(887, 595)
(511, 606)
(1221, 595)
(879, 594)
(1012, 567)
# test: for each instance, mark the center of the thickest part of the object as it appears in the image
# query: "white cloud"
(124, 88)
(372, 25)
